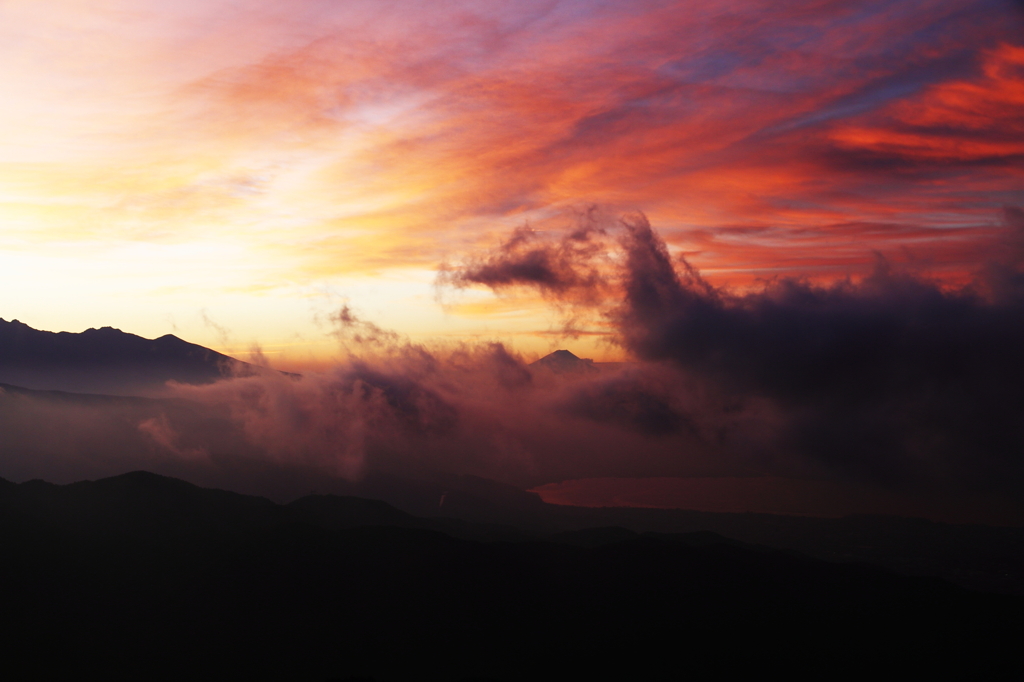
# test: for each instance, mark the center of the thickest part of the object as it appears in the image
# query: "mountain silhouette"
(106, 361)
(100, 433)
(144, 576)
(562, 361)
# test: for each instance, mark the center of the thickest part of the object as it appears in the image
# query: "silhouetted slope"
(979, 557)
(145, 577)
(335, 512)
(210, 447)
(140, 503)
(106, 361)
(470, 498)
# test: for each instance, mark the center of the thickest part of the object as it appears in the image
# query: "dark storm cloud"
(412, 406)
(873, 376)
(892, 378)
(562, 267)
(629, 401)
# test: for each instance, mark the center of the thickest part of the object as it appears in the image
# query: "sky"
(233, 173)
(794, 231)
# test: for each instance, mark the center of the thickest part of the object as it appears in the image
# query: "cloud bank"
(893, 378)
(892, 381)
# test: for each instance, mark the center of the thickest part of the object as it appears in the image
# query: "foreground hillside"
(145, 577)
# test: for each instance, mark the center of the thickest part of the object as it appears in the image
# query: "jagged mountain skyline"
(106, 361)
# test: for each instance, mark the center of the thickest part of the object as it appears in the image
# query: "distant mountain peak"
(565, 361)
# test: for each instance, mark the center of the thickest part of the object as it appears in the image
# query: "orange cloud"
(962, 121)
(317, 141)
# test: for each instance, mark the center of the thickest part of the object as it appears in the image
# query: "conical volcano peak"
(565, 361)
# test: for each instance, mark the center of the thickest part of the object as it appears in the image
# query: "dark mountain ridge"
(106, 360)
(988, 558)
(981, 557)
(142, 576)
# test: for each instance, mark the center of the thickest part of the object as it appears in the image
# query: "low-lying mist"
(892, 381)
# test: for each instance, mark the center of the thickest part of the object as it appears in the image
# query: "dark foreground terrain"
(145, 577)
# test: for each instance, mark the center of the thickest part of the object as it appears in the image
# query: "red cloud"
(955, 122)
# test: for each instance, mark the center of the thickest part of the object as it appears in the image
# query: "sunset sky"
(234, 172)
